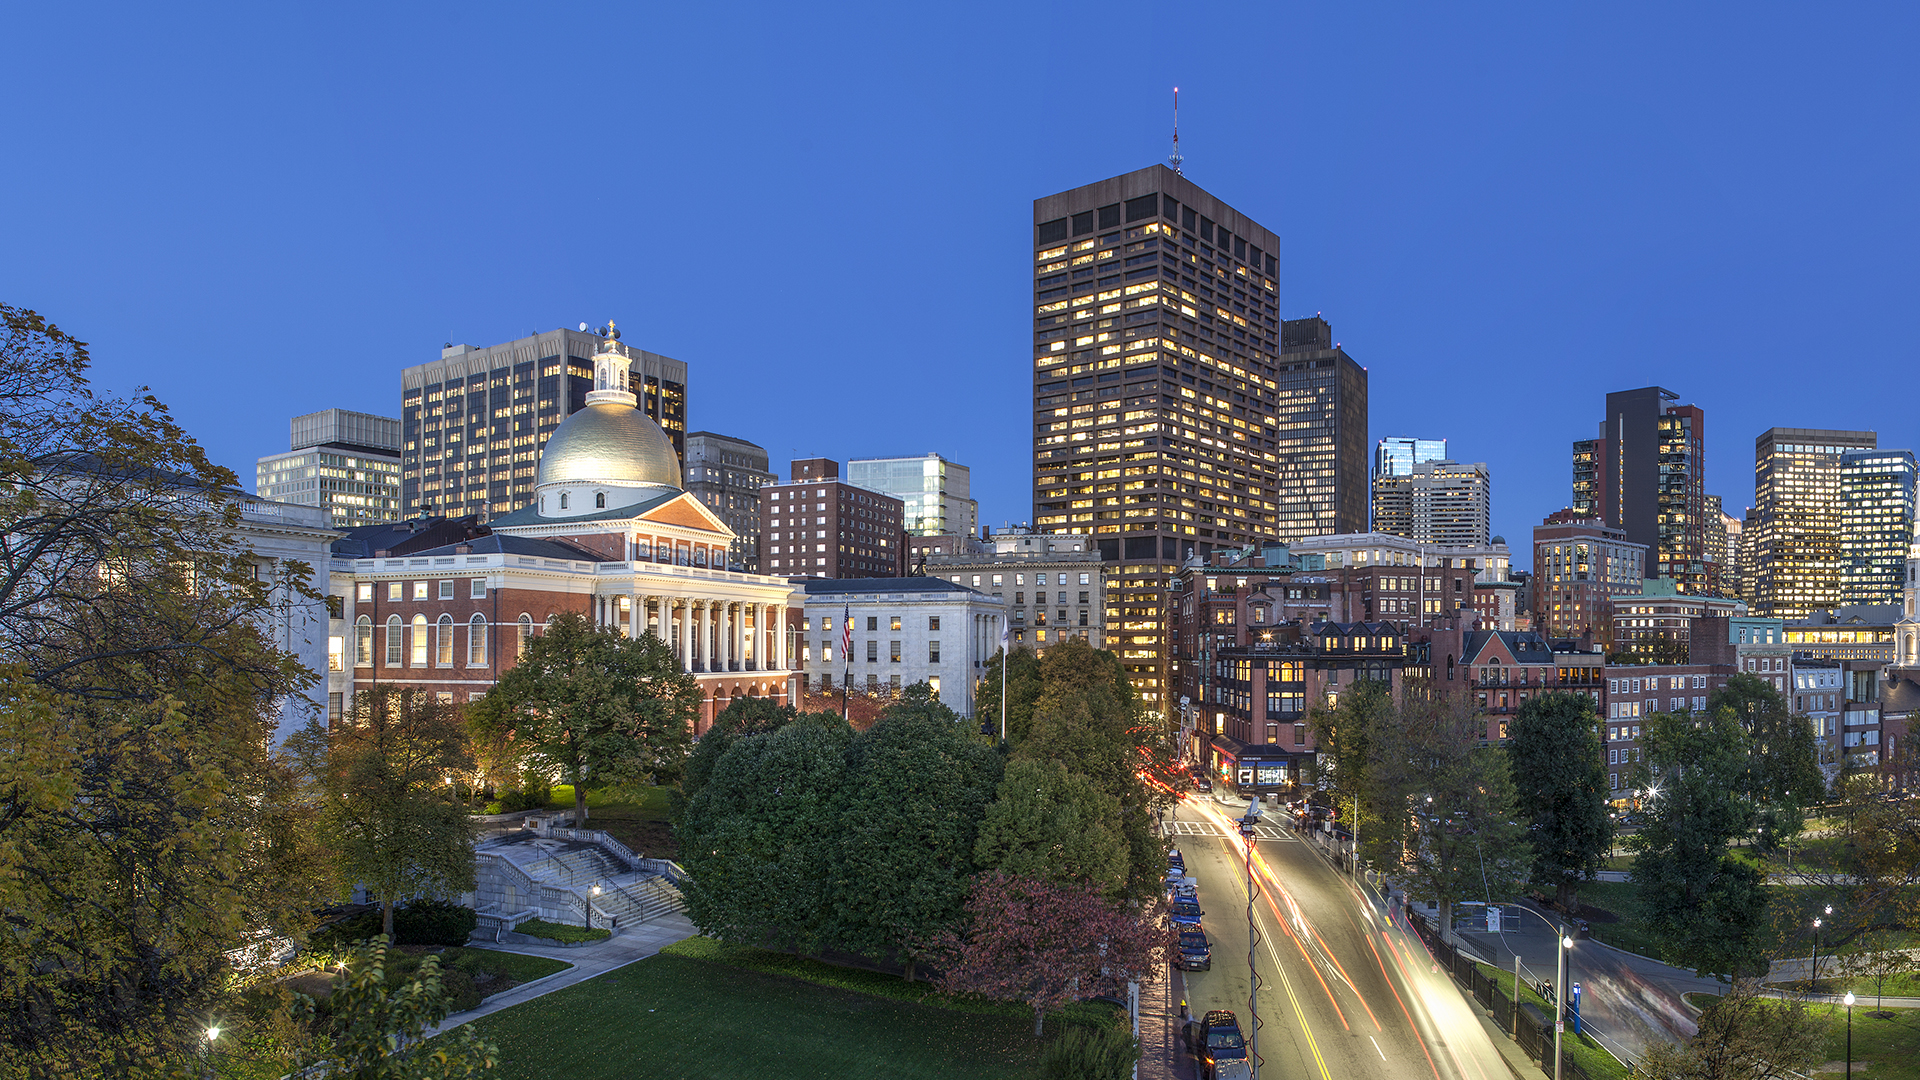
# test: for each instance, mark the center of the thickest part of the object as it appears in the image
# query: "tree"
(1023, 689)
(393, 821)
(1742, 1037)
(1050, 824)
(744, 717)
(759, 838)
(1704, 908)
(1356, 734)
(1560, 790)
(147, 829)
(1783, 773)
(379, 1031)
(1880, 957)
(1047, 944)
(1465, 840)
(907, 820)
(1088, 718)
(598, 707)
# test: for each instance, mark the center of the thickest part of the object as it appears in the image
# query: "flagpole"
(846, 660)
(1005, 656)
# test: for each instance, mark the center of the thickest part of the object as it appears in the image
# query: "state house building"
(611, 533)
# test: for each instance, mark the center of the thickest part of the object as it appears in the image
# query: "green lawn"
(1586, 1053)
(640, 824)
(1884, 1049)
(1621, 898)
(677, 1017)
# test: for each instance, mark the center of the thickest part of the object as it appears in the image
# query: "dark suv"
(1184, 910)
(1195, 953)
(1215, 1038)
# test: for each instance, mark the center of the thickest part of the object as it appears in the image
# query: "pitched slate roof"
(497, 544)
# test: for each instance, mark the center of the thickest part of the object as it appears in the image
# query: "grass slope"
(685, 1019)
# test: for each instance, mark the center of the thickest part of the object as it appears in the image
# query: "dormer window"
(563, 500)
(599, 500)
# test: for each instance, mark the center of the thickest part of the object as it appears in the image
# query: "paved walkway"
(630, 944)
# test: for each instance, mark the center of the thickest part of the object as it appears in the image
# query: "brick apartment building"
(818, 525)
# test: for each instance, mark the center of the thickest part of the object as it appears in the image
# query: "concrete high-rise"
(1393, 462)
(346, 463)
(475, 420)
(1452, 503)
(934, 490)
(1876, 524)
(1800, 557)
(726, 474)
(1645, 473)
(1170, 417)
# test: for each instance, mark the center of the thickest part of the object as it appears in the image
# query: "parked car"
(1215, 1041)
(1179, 889)
(1176, 861)
(1196, 954)
(1201, 783)
(1185, 912)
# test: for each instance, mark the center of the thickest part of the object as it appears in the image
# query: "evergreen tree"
(906, 821)
(1051, 824)
(1560, 790)
(760, 837)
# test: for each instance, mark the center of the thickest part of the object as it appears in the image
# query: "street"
(1344, 993)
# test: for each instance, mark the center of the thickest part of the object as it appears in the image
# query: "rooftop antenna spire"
(1174, 159)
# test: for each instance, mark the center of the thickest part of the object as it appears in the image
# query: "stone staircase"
(554, 876)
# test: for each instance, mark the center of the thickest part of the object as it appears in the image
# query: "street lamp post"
(596, 896)
(1563, 945)
(1849, 1000)
(1253, 982)
(1813, 976)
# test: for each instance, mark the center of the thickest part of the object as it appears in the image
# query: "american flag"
(846, 633)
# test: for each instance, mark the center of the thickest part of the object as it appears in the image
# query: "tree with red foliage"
(1048, 944)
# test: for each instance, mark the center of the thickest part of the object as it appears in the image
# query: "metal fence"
(1530, 1028)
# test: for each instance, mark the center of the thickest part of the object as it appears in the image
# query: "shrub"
(1090, 1054)
(561, 932)
(433, 922)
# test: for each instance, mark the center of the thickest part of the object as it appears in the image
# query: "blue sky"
(1505, 211)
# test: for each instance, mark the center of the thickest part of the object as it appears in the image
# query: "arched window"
(418, 650)
(600, 500)
(393, 641)
(1449, 666)
(363, 642)
(443, 641)
(526, 632)
(477, 641)
(563, 500)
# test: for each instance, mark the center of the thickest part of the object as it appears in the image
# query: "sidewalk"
(630, 944)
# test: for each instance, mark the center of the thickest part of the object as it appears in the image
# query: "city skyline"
(381, 246)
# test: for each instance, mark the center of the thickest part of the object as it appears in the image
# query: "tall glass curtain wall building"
(1167, 419)
(1800, 546)
(473, 422)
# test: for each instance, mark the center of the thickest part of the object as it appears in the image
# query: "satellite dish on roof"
(583, 328)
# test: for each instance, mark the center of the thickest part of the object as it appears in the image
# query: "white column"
(703, 643)
(740, 635)
(779, 653)
(723, 644)
(686, 631)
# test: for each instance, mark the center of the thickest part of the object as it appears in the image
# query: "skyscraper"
(346, 463)
(727, 474)
(475, 420)
(1799, 555)
(1393, 462)
(1167, 419)
(1452, 503)
(934, 490)
(1645, 473)
(1876, 523)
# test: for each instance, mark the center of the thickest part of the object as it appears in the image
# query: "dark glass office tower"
(1168, 419)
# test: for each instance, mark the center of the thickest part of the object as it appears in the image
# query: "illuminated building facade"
(346, 463)
(473, 423)
(1800, 550)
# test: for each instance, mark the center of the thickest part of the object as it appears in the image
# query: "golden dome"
(613, 444)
